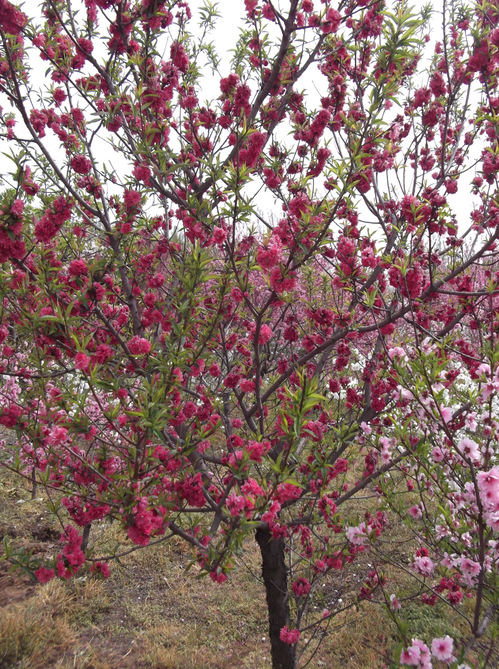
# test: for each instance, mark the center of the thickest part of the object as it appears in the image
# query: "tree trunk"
(275, 577)
(34, 489)
(86, 535)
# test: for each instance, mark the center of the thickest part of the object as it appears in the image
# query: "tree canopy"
(231, 318)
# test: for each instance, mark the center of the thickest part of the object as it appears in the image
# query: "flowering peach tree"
(232, 319)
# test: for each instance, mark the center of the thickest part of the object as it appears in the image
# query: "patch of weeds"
(428, 622)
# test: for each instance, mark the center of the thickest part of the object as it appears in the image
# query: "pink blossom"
(470, 421)
(16, 208)
(131, 198)
(438, 454)
(103, 353)
(179, 56)
(442, 649)
(136, 536)
(398, 354)
(270, 256)
(417, 655)
(82, 361)
(281, 283)
(488, 485)
(100, 568)
(411, 656)
(470, 568)
(286, 492)
(214, 370)
(265, 334)
(253, 148)
(78, 268)
(394, 602)
(357, 535)
(423, 565)
(58, 435)
(301, 587)
(366, 428)
(251, 487)
(415, 511)
(257, 450)
(219, 235)
(446, 413)
(44, 575)
(12, 20)
(218, 576)
(425, 658)
(247, 386)
(483, 369)
(270, 515)
(492, 519)
(332, 21)
(469, 449)
(142, 173)
(237, 504)
(289, 636)
(139, 346)
(81, 164)
(53, 219)
(488, 389)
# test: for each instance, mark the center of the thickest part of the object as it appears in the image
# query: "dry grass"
(41, 631)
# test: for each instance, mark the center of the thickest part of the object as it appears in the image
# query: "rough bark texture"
(275, 577)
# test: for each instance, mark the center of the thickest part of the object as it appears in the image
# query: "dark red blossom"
(332, 21)
(53, 219)
(253, 148)
(12, 20)
(81, 164)
(179, 57)
(139, 346)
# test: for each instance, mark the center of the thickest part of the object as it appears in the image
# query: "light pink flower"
(470, 567)
(438, 454)
(483, 369)
(366, 429)
(488, 389)
(442, 649)
(446, 413)
(425, 658)
(492, 520)
(398, 354)
(470, 421)
(411, 656)
(394, 602)
(469, 449)
(357, 535)
(423, 565)
(488, 484)
(415, 511)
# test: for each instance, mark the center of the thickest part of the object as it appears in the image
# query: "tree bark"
(86, 536)
(275, 577)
